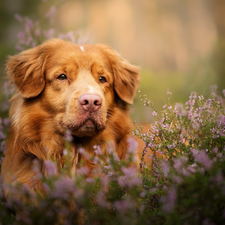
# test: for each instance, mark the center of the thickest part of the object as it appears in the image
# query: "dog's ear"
(26, 70)
(126, 76)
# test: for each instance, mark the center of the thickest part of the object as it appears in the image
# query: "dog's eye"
(62, 77)
(102, 79)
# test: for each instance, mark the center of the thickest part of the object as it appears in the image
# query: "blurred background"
(178, 44)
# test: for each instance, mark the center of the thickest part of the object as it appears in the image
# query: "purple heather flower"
(200, 97)
(191, 169)
(51, 168)
(23, 217)
(37, 32)
(29, 40)
(63, 187)
(104, 181)
(132, 145)
(29, 25)
(101, 199)
(220, 155)
(3, 146)
(82, 171)
(18, 17)
(165, 168)
(177, 179)
(71, 37)
(130, 178)
(180, 109)
(169, 201)
(46, 187)
(49, 33)
(150, 145)
(196, 126)
(219, 178)
(2, 136)
(51, 12)
(37, 169)
(6, 121)
(68, 136)
(90, 180)
(18, 48)
(215, 150)
(181, 138)
(180, 162)
(202, 158)
(122, 206)
(144, 193)
(154, 113)
(97, 149)
(21, 35)
(34, 44)
(111, 147)
(84, 153)
(224, 92)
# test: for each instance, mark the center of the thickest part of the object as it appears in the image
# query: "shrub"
(183, 184)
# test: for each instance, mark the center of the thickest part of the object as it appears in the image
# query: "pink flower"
(63, 187)
(169, 201)
(97, 149)
(165, 168)
(101, 199)
(122, 206)
(180, 162)
(132, 145)
(154, 113)
(51, 13)
(130, 178)
(82, 171)
(202, 158)
(18, 17)
(49, 33)
(51, 168)
(3, 147)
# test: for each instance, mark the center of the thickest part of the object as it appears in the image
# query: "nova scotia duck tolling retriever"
(62, 86)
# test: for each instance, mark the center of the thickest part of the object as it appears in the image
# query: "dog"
(62, 86)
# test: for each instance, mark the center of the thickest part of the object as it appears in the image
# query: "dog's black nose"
(90, 102)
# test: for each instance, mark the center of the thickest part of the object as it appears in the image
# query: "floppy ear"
(26, 70)
(126, 76)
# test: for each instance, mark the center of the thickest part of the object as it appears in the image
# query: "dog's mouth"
(88, 128)
(89, 125)
(85, 127)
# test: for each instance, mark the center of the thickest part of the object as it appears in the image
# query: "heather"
(180, 179)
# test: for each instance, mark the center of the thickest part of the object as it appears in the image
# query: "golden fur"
(48, 104)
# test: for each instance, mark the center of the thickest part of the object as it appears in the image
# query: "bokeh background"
(178, 44)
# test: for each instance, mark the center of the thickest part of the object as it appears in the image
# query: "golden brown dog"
(63, 86)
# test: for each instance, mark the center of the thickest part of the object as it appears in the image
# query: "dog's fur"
(48, 104)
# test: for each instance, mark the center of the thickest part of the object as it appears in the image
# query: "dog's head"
(78, 85)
